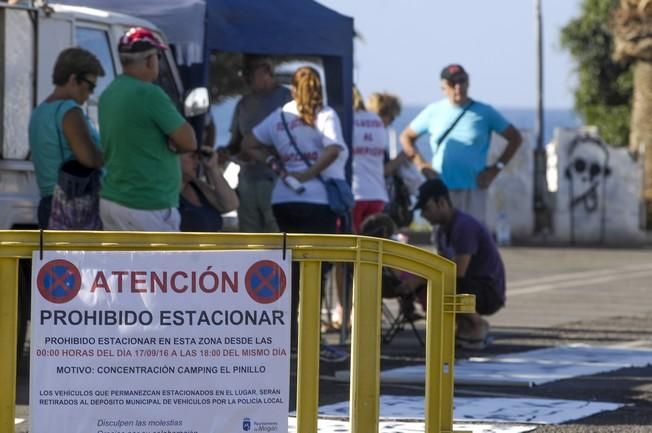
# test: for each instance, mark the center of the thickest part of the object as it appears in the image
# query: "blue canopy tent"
(279, 27)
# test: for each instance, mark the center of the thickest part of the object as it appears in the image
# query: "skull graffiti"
(588, 167)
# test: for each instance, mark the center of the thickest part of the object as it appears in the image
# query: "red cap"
(454, 72)
(139, 39)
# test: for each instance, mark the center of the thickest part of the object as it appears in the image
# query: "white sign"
(160, 342)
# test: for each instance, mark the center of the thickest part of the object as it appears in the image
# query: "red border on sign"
(47, 270)
(265, 281)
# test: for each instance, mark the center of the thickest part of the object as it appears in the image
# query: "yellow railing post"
(448, 344)
(8, 327)
(434, 356)
(365, 341)
(309, 340)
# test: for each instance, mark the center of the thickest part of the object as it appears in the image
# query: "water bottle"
(503, 231)
(291, 181)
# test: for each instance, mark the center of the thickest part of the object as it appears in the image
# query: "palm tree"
(632, 29)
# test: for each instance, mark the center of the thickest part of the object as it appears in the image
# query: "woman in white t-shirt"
(369, 144)
(317, 133)
(388, 107)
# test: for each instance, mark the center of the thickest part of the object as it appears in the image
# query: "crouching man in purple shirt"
(480, 271)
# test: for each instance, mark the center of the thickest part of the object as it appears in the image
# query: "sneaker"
(332, 354)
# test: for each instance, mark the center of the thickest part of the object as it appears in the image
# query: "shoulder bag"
(340, 196)
(76, 195)
(442, 137)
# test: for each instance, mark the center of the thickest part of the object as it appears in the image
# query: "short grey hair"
(134, 58)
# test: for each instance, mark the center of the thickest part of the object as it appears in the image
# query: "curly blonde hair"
(308, 93)
(384, 104)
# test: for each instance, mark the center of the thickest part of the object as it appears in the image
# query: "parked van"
(30, 41)
(283, 72)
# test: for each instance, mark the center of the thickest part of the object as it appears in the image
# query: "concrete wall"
(512, 191)
(597, 190)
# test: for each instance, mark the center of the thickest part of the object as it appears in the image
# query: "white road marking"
(577, 279)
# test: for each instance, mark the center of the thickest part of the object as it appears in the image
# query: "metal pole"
(542, 217)
(538, 128)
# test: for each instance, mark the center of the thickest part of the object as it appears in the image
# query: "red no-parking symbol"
(265, 281)
(58, 281)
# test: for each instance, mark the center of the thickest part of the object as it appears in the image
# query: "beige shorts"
(121, 218)
(471, 201)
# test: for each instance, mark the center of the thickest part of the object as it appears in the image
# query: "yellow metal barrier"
(368, 255)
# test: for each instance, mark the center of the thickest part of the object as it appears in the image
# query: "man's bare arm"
(183, 138)
(408, 139)
(514, 139)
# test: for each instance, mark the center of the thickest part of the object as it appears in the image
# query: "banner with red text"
(150, 342)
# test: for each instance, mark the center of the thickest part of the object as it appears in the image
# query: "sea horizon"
(521, 118)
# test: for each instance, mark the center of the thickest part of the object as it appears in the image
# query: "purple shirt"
(466, 235)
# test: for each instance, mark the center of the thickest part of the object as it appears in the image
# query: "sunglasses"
(91, 85)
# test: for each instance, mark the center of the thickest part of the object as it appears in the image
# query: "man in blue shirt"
(460, 134)
(480, 271)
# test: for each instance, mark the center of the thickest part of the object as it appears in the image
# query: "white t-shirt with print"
(311, 141)
(369, 142)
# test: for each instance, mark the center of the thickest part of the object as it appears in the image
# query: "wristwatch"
(499, 165)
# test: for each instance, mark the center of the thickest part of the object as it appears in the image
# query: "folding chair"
(396, 321)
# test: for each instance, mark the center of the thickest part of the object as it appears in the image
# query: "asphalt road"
(593, 296)
(560, 296)
(556, 296)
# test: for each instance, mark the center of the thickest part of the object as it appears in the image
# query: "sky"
(407, 43)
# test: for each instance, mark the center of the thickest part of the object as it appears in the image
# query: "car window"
(97, 42)
(166, 81)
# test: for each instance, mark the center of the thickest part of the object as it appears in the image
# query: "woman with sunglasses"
(59, 130)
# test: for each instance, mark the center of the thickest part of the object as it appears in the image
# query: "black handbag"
(399, 206)
(340, 196)
(76, 195)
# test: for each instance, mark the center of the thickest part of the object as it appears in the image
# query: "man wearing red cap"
(142, 134)
(460, 134)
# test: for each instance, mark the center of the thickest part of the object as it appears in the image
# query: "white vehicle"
(283, 73)
(30, 40)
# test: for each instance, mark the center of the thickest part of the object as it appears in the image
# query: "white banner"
(160, 342)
